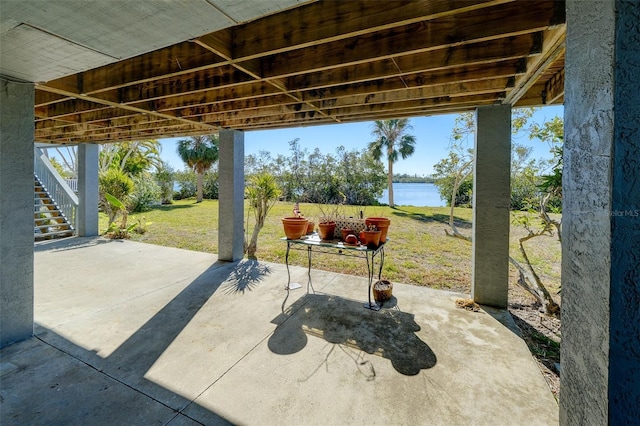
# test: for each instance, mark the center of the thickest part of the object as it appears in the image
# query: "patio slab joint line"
(176, 412)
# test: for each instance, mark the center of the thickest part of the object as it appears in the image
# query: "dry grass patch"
(418, 252)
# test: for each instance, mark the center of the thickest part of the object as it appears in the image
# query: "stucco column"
(88, 190)
(491, 201)
(231, 196)
(16, 211)
(600, 353)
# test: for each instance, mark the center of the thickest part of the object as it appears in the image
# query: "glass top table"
(312, 243)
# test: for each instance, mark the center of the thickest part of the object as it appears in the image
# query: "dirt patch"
(542, 335)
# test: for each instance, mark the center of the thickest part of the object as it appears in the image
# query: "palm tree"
(391, 138)
(199, 153)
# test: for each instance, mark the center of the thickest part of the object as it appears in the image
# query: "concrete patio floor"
(131, 333)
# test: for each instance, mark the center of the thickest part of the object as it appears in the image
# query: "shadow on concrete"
(387, 333)
(144, 347)
(43, 384)
(438, 217)
(246, 276)
(127, 365)
(71, 243)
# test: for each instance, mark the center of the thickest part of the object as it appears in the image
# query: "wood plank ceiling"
(319, 63)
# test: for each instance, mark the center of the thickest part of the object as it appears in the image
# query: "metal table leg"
(286, 261)
(309, 283)
(371, 270)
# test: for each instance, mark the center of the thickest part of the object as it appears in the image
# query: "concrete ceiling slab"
(34, 55)
(92, 33)
(242, 11)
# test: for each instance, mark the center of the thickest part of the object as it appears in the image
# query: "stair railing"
(55, 185)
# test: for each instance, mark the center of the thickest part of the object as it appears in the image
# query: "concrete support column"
(88, 190)
(231, 196)
(491, 202)
(600, 374)
(16, 211)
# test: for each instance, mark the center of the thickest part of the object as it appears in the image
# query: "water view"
(414, 194)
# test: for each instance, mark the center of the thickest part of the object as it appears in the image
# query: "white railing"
(55, 185)
(73, 184)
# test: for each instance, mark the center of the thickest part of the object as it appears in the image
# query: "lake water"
(414, 194)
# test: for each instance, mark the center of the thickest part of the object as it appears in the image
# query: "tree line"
(134, 170)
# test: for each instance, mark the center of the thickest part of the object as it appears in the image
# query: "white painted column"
(88, 190)
(231, 196)
(600, 353)
(491, 202)
(16, 211)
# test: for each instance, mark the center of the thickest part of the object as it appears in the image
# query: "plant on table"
(329, 214)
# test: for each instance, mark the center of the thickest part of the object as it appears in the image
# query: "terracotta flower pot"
(294, 227)
(346, 232)
(326, 230)
(382, 224)
(310, 227)
(351, 240)
(372, 239)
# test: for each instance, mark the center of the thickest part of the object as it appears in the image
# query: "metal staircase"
(49, 220)
(55, 203)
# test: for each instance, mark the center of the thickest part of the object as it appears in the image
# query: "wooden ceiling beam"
(102, 139)
(553, 88)
(192, 83)
(98, 124)
(471, 27)
(126, 107)
(418, 103)
(203, 81)
(324, 22)
(179, 59)
(217, 49)
(306, 117)
(427, 92)
(246, 91)
(223, 100)
(553, 46)
(42, 99)
(438, 77)
(487, 87)
(239, 105)
(369, 89)
(490, 52)
(112, 130)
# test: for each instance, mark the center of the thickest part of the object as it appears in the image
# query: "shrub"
(165, 177)
(145, 194)
(186, 180)
(119, 185)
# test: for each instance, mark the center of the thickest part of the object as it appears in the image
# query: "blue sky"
(432, 140)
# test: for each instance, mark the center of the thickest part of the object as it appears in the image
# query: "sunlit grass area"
(418, 252)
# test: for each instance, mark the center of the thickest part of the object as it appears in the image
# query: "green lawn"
(418, 252)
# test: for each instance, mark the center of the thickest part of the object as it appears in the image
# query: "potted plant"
(380, 223)
(371, 237)
(311, 226)
(295, 226)
(327, 220)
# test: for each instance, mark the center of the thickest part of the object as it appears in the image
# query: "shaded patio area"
(135, 333)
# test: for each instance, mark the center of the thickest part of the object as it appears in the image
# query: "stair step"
(50, 212)
(54, 225)
(54, 234)
(40, 219)
(45, 209)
